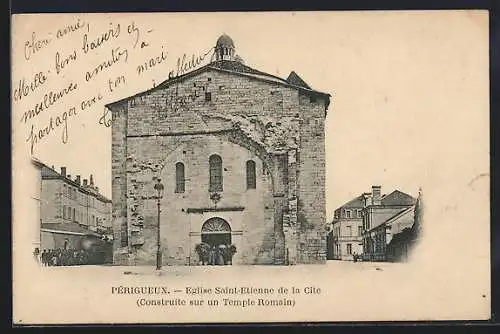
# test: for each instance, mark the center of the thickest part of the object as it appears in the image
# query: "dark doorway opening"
(216, 233)
(216, 239)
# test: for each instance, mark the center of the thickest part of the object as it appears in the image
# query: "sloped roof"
(294, 79)
(67, 227)
(357, 202)
(398, 198)
(238, 67)
(48, 172)
(37, 162)
(399, 215)
(233, 67)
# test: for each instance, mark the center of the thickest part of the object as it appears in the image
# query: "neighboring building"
(403, 237)
(374, 226)
(241, 154)
(36, 203)
(384, 217)
(346, 236)
(71, 210)
(380, 236)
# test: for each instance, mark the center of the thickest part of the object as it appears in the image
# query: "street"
(192, 271)
(336, 291)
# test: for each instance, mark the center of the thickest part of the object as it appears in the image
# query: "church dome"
(224, 48)
(224, 41)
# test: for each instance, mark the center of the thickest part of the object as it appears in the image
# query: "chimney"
(85, 182)
(367, 199)
(376, 197)
(53, 167)
(77, 180)
(63, 171)
(91, 180)
(97, 189)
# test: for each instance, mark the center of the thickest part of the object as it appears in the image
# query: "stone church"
(241, 156)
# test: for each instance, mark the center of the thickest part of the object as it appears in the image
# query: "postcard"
(250, 167)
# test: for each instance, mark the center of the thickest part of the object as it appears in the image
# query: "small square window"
(208, 96)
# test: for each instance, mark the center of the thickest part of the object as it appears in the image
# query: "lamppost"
(159, 191)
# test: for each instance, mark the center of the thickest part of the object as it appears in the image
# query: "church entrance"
(216, 233)
(216, 239)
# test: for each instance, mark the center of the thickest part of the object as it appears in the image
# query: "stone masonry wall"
(311, 179)
(273, 119)
(254, 221)
(119, 185)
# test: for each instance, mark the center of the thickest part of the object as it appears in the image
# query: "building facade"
(71, 210)
(405, 234)
(241, 156)
(36, 203)
(346, 236)
(383, 217)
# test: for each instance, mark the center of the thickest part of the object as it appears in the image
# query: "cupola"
(224, 48)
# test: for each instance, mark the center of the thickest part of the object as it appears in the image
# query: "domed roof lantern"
(225, 41)
(224, 48)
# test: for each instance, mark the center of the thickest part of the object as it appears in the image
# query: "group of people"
(217, 256)
(70, 257)
(220, 255)
(356, 257)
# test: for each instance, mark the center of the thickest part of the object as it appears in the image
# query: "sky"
(408, 93)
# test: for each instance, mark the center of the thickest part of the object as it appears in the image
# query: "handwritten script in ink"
(101, 57)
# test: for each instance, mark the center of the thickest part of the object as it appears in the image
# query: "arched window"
(179, 177)
(215, 162)
(251, 179)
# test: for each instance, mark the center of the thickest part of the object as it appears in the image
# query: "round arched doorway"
(216, 231)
